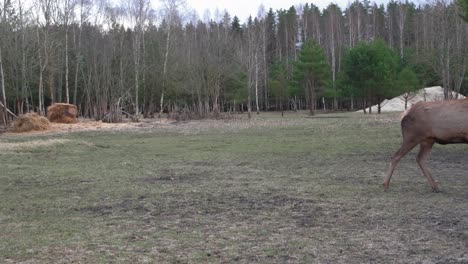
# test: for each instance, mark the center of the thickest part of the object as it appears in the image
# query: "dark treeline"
(133, 59)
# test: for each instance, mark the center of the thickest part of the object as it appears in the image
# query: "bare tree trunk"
(51, 83)
(311, 98)
(41, 109)
(66, 13)
(24, 96)
(333, 30)
(136, 54)
(287, 44)
(77, 67)
(42, 66)
(249, 99)
(143, 74)
(121, 69)
(2, 76)
(401, 25)
(166, 56)
(67, 93)
(335, 100)
(24, 91)
(216, 108)
(267, 103)
(249, 105)
(256, 83)
(161, 104)
(171, 8)
(265, 67)
(350, 27)
(460, 51)
(374, 24)
(379, 106)
(390, 28)
(359, 25)
(78, 52)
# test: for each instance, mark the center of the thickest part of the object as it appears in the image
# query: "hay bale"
(62, 113)
(30, 122)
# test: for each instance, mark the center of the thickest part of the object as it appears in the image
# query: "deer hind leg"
(406, 147)
(422, 157)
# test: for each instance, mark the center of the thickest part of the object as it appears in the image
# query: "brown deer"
(425, 123)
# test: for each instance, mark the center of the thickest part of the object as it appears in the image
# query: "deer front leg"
(406, 147)
(423, 155)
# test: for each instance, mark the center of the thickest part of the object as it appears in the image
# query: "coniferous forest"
(143, 62)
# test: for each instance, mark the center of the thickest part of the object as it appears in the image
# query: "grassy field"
(294, 190)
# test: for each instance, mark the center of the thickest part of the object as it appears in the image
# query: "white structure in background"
(397, 104)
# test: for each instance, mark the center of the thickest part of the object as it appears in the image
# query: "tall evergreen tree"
(407, 83)
(312, 71)
(371, 68)
(464, 9)
(279, 85)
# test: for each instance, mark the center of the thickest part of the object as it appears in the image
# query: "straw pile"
(30, 122)
(62, 113)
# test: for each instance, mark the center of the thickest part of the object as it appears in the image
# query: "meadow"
(297, 189)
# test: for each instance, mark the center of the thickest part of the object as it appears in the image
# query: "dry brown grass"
(28, 145)
(62, 113)
(30, 122)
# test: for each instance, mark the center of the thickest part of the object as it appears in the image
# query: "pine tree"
(279, 85)
(464, 9)
(408, 83)
(371, 69)
(312, 71)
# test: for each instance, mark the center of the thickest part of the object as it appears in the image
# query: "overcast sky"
(244, 8)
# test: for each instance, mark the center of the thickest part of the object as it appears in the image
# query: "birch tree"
(66, 12)
(402, 15)
(334, 38)
(139, 12)
(45, 10)
(170, 14)
(84, 8)
(2, 74)
(4, 98)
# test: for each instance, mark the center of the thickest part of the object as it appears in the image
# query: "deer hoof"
(435, 187)
(386, 186)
